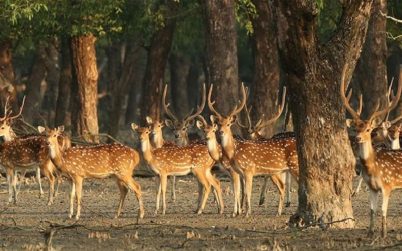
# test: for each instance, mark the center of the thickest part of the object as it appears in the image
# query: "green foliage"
(245, 11)
(330, 12)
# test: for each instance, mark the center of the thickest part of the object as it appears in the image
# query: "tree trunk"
(63, 97)
(7, 76)
(157, 58)
(313, 73)
(193, 82)
(266, 72)
(122, 87)
(221, 45)
(85, 77)
(35, 90)
(179, 71)
(52, 78)
(371, 69)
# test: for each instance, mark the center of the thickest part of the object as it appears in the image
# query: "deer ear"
(41, 129)
(349, 122)
(214, 126)
(134, 126)
(149, 120)
(375, 123)
(61, 128)
(169, 123)
(213, 119)
(233, 119)
(386, 124)
(199, 124)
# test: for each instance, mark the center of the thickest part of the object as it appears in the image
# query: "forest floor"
(32, 225)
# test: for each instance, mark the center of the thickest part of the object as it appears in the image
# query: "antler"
(261, 124)
(166, 105)
(6, 108)
(201, 118)
(389, 93)
(345, 100)
(237, 109)
(211, 104)
(200, 108)
(20, 112)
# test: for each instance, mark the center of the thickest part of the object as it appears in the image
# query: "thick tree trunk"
(179, 70)
(35, 90)
(221, 61)
(156, 65)
(193, 82)
(266, 75)
(371, 69)
(325, 158)
(7, 76)
(85, 77)
(63, 97)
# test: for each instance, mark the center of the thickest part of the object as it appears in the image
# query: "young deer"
(254, 132)
(100, 162)
(215, 151)
(381, 168)
(273, 157)
(175, 160)
(23, 153)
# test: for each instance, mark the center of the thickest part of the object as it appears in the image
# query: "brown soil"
(32, 225)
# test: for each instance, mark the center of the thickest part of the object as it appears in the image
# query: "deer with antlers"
(381, 168)
(100, 161)
(254, 133)
(272, 157)
(178, 161)
(22, 154)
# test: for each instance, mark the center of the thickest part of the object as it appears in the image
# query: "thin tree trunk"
(156, 65)
(179, 71)
(371, 69)
(221, 45)
(63, 97)
(85, 77)
(34, 88)
(313, 74)
(266, 75)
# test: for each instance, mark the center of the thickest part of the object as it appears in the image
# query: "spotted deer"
(215, 151)
(381, 167)
(100, 161)
(180, 160)
(273, 157)
(254, 133)
(22, 154)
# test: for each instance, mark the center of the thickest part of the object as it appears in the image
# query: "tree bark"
(371, 69)
(35, 90)
(158, 52)
(313, 73)
(266, 61)
(179, 71)
(221, 45)
(63, 97)
(85, 77)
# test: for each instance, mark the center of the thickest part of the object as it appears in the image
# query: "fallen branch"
(391, 18)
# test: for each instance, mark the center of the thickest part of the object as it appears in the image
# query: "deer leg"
(206, 189)
(158, 194)
(20, 183)
(200, 194)
(248, 188)
(217, 190)
(72, 197)
(136, 188)
(288, 188)
(39, 182)
(263, 192)
(359, 185)
(174, 188)
(385, 198)
(10, 176)
(373, 209)
(278, 180)
(48, 173)
(123, 192)
(236, 192)
(78, 192)
(163, 184)
(14, 185)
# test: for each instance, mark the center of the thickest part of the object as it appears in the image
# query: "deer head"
(210, 136)
(5, 122)
(156, 127)
(180, 127)
(53, 137)
(365, 127)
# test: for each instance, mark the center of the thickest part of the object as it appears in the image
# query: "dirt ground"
(32, 225)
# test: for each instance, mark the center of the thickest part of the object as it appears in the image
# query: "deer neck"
(10, 136)
(146, 149)
(56, 155)
(366, 151)
(213, 149)
(184, 141)
(158, 141)
(393, 143)
(228, 144)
